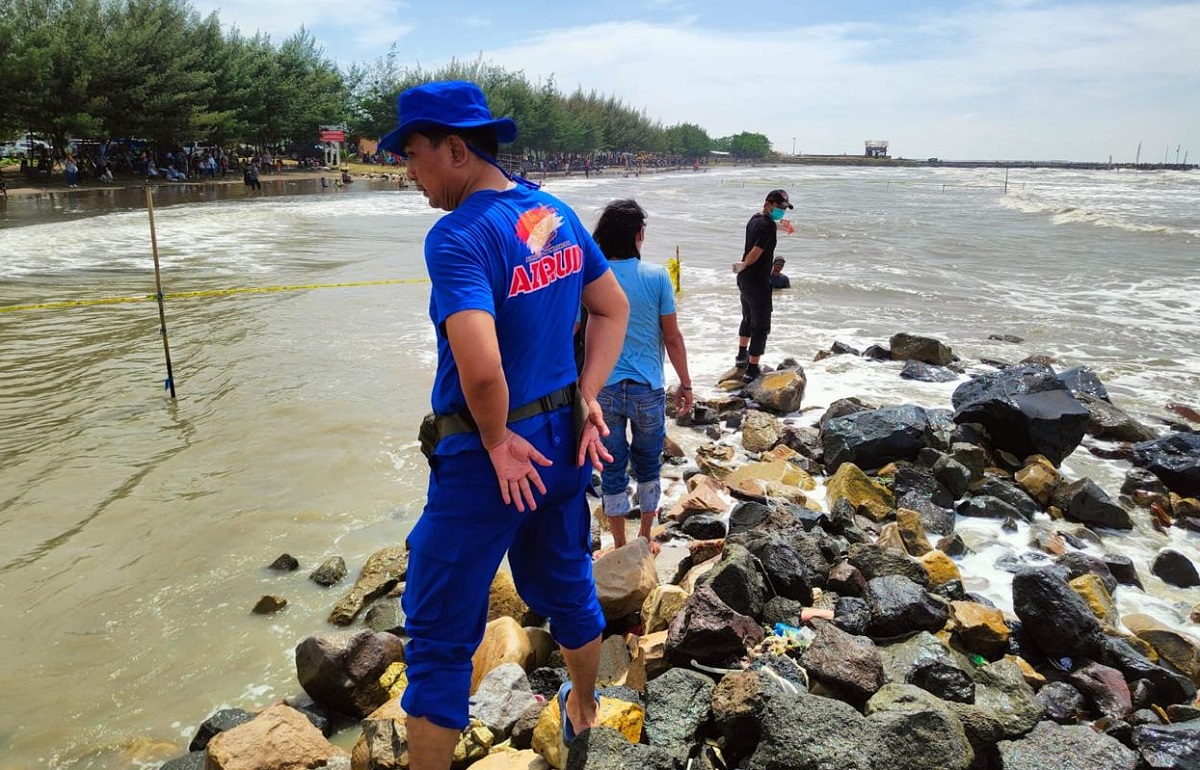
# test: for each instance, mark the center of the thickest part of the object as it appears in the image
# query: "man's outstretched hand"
(590, 445)
(515, 461)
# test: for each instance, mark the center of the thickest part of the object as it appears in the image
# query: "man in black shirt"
(754, 281)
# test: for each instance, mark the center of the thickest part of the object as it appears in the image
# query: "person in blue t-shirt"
(634, 392)
(509, 266)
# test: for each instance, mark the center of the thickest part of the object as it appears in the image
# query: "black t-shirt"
(760, 231)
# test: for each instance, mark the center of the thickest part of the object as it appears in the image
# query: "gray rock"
(1175, 746)
(779, 392)
(876, 561)
(747, 516)
(809, 732)
(1025, 411)
(852, 615)
(678, 705)
(331, 571)
(1169, 686)
(792, 562)
(704, 526)
(383, 570)
(952, 475)
(875, 438)
(386, 615)
(923, 661)
(843, 407)
(522, 729)
(546, 680)
(910, 347)
(219, 722)
(1057, 619)
(1175, 459)
(1011, 493)
(850, 665)
(1174, 568)
(922, 372)
(987, 507)
(1077, 564)
(708, 630)
(342, 670)
(846, 580)
(736, 580)
(285, 563)
(1112, 423)
(1004, 705)
(917, 730)
(502, 696)
(1105, 687)
(739, 702)
(1063, 703)
(899, 606)
(1086, 502)
(781, 610)
(602, 748)
(1142, 480)
(1083, 381)
(269, 605)
(1065, 748)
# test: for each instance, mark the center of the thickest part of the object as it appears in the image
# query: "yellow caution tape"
(206, 293)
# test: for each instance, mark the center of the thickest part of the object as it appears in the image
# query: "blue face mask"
(777, 214)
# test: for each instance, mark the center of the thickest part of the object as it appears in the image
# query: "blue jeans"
(638, 406)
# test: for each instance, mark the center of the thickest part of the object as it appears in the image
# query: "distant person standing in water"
(634, 392)
(754, 282)
(778, 279)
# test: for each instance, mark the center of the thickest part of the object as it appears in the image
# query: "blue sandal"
(568, 732)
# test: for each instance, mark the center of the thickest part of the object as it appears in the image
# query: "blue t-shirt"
(524, 257)
(648, 288)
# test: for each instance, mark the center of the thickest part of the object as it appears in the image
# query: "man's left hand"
(590, 445)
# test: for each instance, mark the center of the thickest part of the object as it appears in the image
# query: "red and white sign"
(333, 136)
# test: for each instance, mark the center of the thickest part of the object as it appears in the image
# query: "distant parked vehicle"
(20, 148)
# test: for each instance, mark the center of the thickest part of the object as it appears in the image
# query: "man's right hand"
(513, 460)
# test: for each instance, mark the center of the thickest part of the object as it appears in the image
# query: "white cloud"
(1080, 81)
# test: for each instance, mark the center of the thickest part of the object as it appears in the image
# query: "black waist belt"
(451, 424)
(436, 427)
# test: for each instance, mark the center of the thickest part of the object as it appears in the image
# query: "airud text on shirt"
(540, 273)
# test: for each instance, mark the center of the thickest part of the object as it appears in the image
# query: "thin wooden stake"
(162, 313)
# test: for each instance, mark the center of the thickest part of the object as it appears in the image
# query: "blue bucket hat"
(446, 104)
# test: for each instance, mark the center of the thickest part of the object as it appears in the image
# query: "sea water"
(135, 531)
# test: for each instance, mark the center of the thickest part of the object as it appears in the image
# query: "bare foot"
(655, 548)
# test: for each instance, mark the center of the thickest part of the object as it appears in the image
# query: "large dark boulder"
(1175, 746)
(874, 560)
(1083, 381)
(809, 732)
(922, 372)
(917, 730)
(1057, 618)
(923, 661)
(1063, 703)
(1011, 493)
(1077, 564)
(852, 615)
(849, 665)
(1025, 410)
(1168, 686)
(1086, 502)
(914, 481)
(900, 606)
(875, 438)
(219, 722)
(1105, 688)
(793, 563)
(1174, 458)
(678, 704)
(1004, 707)
(910, 347)
(703, 526)
(1076, 747)
(603, 748)
(343, 670)
(1112, 423)
(987, 507)
(739, 703)
(1174, 568)
(707, 630)
(736, 580)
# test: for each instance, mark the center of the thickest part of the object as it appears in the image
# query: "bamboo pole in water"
(162, 313)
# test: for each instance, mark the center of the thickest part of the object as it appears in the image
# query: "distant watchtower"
(877, 148)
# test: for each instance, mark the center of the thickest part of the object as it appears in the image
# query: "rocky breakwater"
(811, 608)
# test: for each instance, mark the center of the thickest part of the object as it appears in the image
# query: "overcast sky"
(1011, 79)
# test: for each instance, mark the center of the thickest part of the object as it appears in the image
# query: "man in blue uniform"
(509, 266)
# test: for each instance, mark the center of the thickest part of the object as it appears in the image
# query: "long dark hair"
(616, 232)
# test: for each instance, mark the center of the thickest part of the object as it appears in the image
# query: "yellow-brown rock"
(940, 567)
(864, 493)
(394, 679)
(504, 641)
(624, 577)
(1030, 674)
(912, 532)
(671, 448)
(889, 537)
(703, 550)
(473, 745)
(661, 606)
(1179, 650)
(979, 628)
(614, 662)
(508, 759)
(280, 738)
(652, 648)
(760, 431)
(1039, 478)
(504, 601)
(1097, 597)
(888, 471)
(774, 472)
(705, 497)
(625, 718)
(380, 574)
(715, 460)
